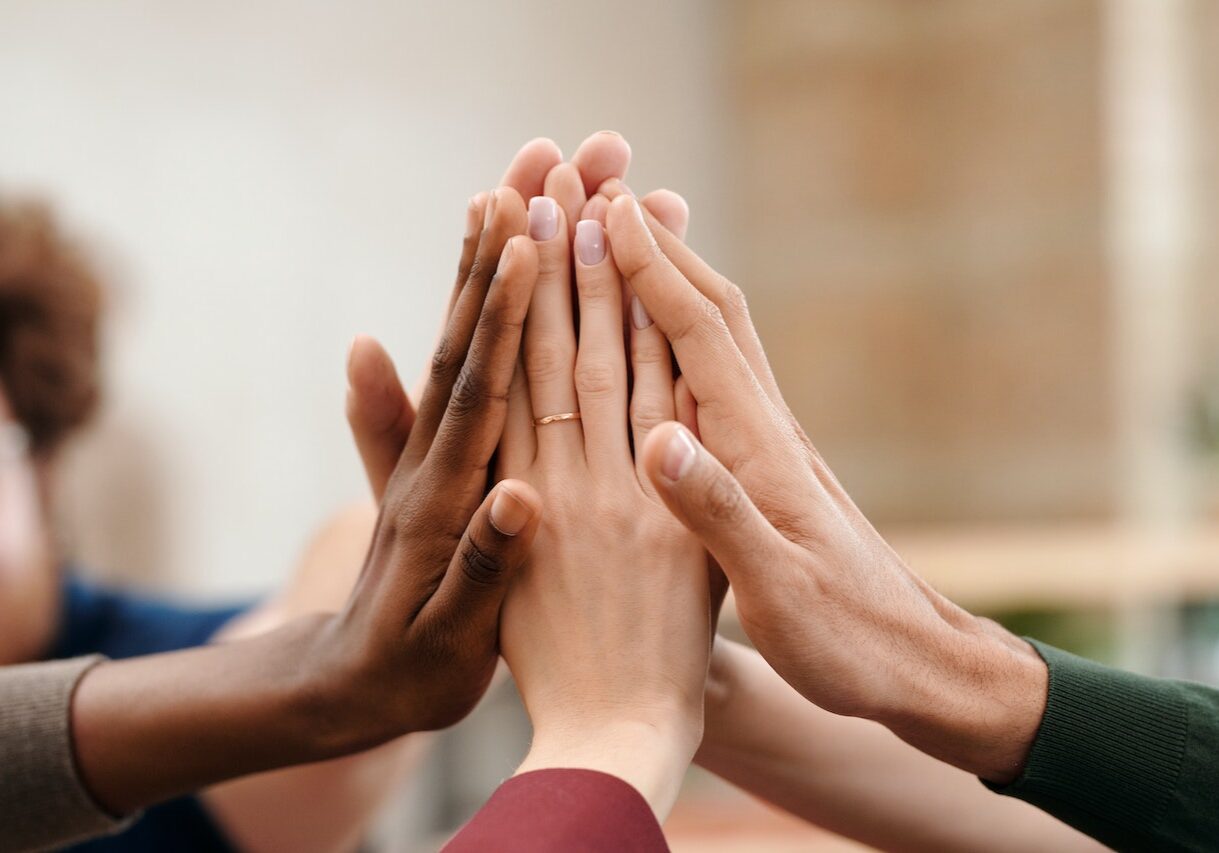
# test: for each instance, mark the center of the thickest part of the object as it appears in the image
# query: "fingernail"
(626, 189)
(679, 455)
(590, 242)
(543, 218)
(472, 223)
(508, 514)
(639, 314)
(487, 217)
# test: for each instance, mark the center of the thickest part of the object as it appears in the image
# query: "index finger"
(474, 418)
(718, 374)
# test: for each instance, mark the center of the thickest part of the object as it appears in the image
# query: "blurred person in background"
(51, 306)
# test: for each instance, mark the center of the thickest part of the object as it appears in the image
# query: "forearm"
(317, 807)
(150, 728)
(852, 776)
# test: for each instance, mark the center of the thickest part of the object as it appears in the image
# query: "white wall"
(268, 179)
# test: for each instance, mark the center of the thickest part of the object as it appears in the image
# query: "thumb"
(708, 500)
(493, 548)
(378, 411)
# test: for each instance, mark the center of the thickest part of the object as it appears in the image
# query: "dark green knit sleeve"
(1132, 761)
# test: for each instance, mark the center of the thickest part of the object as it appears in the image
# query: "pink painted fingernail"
(509, 515)
(590, 242)
(543, 218)
(639, 314)
(679, 455)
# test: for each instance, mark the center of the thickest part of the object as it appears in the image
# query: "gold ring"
(551, 419)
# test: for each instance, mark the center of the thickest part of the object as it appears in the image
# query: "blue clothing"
(96, 620)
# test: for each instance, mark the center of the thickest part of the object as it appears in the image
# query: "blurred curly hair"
(50, 303)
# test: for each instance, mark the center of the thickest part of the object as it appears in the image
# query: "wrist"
(650, 751)
(347, 702)
(979, 703)
(220, 710)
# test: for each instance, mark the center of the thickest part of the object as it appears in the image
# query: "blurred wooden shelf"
(1060, 566)
(1063, 565)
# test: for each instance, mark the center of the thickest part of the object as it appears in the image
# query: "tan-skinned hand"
(832, 608)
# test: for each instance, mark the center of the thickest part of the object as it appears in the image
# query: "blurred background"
(979, 240)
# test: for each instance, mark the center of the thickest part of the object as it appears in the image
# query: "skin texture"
(831, 607)
(653, 627)
(849, 775)
(326, 806)
(416, 644)
(853, 776)
(608, 625)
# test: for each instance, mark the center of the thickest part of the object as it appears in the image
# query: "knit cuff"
(42, 799)
(1109, 751)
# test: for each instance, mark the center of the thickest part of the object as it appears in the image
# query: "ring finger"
(550, 338)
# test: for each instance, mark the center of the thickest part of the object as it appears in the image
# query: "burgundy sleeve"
(552, 810)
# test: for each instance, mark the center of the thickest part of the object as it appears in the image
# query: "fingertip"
(476, 210)
(605, 154)
(596, 208)
(520, 253)
(670, 209)
(612, 188)
(542, 146)
(515, 506)
(589, 243)
(625, 216)
(547, 220)
(622, 205)
(669, 452)
(366, 361)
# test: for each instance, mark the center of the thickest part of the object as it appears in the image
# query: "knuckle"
(443, 359)
(724, 502)
(598, 288)
(732, 300)
(703, 317)
(500, 320)
(595, 378)
(479, 269)
(641, 261)
(469, 392)
(547, 361)
(654, 256)
(480, 565)
(648, 350)
(646, 415)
